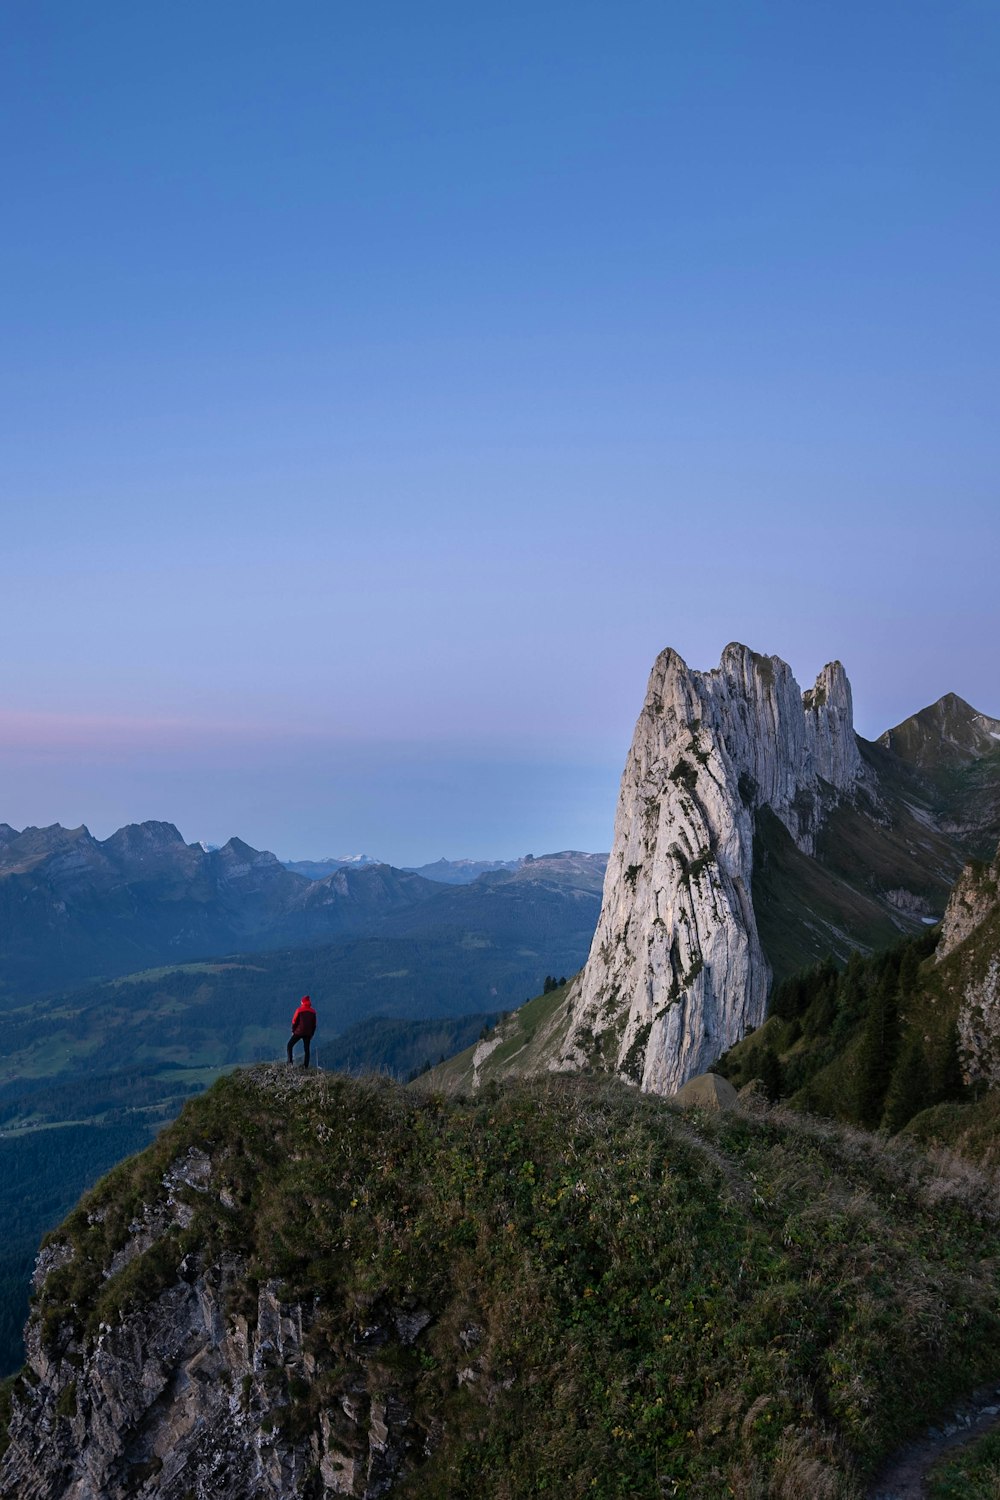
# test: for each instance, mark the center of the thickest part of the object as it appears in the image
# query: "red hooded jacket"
(304, 1019)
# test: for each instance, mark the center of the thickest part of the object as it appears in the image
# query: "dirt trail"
(904, 1476)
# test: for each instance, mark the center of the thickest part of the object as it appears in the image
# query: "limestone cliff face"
(189, 1394)
(974, 898)
(170, 1404)
(969, 957)
(676, 973)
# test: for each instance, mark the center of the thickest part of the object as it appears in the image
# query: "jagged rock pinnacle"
(676, 972)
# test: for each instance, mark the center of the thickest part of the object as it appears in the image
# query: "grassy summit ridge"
(754, 1304)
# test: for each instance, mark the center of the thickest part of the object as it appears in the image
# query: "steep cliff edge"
(968, 956)
(677, 973)
(755, 835)
(313, 1286)
(972, 902)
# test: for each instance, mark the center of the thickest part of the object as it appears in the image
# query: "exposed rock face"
(979, 1024)
(969, 953)
(188, 1398)
(676, 973)
(974, 899)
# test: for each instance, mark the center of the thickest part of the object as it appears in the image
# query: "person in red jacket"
(303, 1028)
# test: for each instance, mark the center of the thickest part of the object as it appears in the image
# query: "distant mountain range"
(463, 871)
(319, 869)
(444, 871)
(403, 970)
(74, 908)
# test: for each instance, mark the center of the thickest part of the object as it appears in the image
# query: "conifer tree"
(822, 1010)
(910, 1086)
(909, 974)
(851, 992)
(946, 1074)
(877, 1053)
(769, 1073)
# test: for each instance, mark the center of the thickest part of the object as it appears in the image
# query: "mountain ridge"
(74, 908)
(947, 732)
(321, 1286)
(755, 833)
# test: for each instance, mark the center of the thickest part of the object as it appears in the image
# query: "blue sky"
(382, 387)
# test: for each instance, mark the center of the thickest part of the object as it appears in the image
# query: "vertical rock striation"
(676, 973)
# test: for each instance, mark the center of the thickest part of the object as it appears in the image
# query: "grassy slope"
(925, 774)
(805, 910)
(522, 1042)
(973, 1475)
(746, 1305)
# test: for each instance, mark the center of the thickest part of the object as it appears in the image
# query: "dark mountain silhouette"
(73, 907)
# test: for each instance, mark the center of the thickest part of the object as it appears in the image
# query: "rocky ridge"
(189, 1398)
(314, 1286)
(677, 972)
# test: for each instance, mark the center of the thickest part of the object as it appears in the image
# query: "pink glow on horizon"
(52, 732)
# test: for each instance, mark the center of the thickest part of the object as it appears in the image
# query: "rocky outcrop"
(973, 899)
(194, 1402)
(676, 973)
(192, 1393)
(979, 1024)
(969, 959)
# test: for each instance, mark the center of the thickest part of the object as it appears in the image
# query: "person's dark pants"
(305, 1040)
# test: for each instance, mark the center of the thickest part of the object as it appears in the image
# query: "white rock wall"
(676, 973)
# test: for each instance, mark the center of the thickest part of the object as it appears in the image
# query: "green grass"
(969, 1127)
(805, 908)
(746, 1304)
(973, 1475)
(536, 1019)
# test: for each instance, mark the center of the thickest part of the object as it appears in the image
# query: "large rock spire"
(676, 972)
